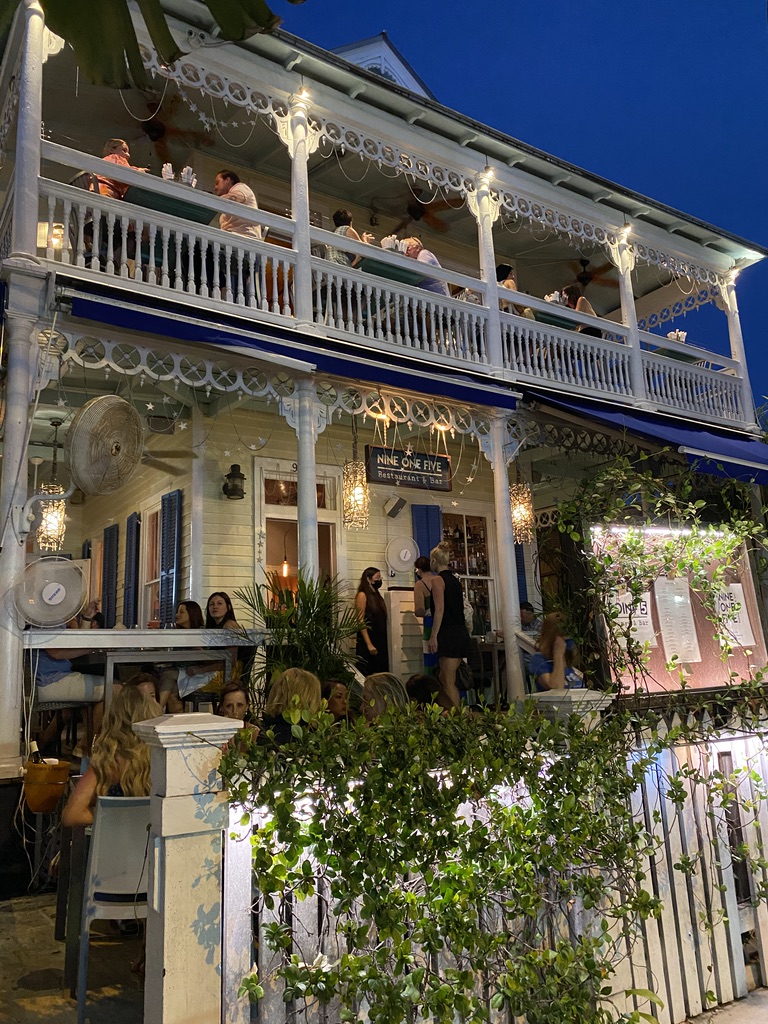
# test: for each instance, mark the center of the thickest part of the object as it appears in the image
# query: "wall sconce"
(521, 510)
(233, 483)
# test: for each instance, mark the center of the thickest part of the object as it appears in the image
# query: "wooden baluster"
(287, 310)
(369, 310)
(81, 214)
(49, 228)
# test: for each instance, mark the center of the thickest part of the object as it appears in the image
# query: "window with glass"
(151, 595)
(467, 538)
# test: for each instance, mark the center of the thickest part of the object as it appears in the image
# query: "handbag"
(469, 614)
(464, 677)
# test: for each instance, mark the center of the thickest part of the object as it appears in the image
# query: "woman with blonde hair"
(381, 691)
(293, 682)
(120, 760)
(450, 636)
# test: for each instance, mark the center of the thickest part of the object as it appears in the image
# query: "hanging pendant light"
(286, 568)
(521, 510)
(52, 529)
(354, 487)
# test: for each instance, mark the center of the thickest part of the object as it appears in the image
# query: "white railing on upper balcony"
(387, 300)
(542, 341)
(171, 247)
(165, 243)
(691, 379)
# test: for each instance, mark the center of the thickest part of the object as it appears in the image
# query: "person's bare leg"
(448, 669)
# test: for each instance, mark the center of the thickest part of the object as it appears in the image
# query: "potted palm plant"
(309, 627)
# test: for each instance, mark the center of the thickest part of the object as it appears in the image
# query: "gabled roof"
(380, 56)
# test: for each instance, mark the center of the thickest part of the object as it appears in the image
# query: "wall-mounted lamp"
(233, 485)
(52, 528)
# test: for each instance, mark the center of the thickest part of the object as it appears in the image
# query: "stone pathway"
(32, 969)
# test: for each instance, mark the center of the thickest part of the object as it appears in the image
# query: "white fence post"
(189, 813)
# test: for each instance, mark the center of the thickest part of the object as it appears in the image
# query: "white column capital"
(305, 393)
(483, 202)
(296, 129)
(622, 254)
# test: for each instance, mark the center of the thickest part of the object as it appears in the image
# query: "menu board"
(678, 629)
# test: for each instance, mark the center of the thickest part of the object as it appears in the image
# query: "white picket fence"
(692, 957)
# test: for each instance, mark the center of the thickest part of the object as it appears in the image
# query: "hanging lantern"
(354, 487)
(521, 510)
(53, 528)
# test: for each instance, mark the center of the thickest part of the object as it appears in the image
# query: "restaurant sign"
(408, 468)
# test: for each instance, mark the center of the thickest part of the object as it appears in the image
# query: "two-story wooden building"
(273, 354)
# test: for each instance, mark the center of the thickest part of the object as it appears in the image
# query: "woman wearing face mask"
(372, 647)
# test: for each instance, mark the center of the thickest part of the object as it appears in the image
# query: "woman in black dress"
(372, 647)
(450, 636)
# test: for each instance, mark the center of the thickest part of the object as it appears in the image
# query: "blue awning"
(734, 455)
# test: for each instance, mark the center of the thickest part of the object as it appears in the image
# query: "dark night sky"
(667, 98)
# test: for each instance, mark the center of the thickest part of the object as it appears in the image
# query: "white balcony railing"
(164, 242)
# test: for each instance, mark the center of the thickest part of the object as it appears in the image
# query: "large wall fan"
(104, 445)
(50, 592)
(401, 553)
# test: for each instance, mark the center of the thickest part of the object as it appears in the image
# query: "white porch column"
(301, 141)
(623, 257)
(24, 232)
(737, 346)
(308, 418)
(188, 815)
(500, 449)
(485, 208)
(22, 352)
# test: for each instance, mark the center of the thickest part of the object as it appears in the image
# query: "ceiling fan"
(413, 210)
(164, 135)
(586, 276)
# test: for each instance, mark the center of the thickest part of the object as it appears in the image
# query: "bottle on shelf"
(34, 756)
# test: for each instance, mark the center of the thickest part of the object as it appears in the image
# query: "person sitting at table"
(335, 695)
(55, 681)
(343, 221)
(116, 151)
(119, 764)
(382, 691)
(505, 278)
(530, 622)
(552, 665)
(414, 249)
(189, 615)
(573, 299)
(227, 185)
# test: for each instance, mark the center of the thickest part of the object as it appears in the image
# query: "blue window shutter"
(522, 583)
(427, 522)
(109, 576)
(170, 556)
(131, 580)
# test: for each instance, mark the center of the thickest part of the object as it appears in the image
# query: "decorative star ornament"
(227, 453)
(60, 402)
(150, 406)
(455, 504)
(409, 449)
(183, 424)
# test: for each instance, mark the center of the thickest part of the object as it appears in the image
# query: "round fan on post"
(104, 444)
(50, 592)
(402, 552)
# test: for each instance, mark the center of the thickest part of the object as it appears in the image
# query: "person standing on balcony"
(343, 221)
(116, 151)
(228, 186)
(414, 249)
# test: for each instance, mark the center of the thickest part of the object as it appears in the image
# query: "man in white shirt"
(228, 186)
(416, 251)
